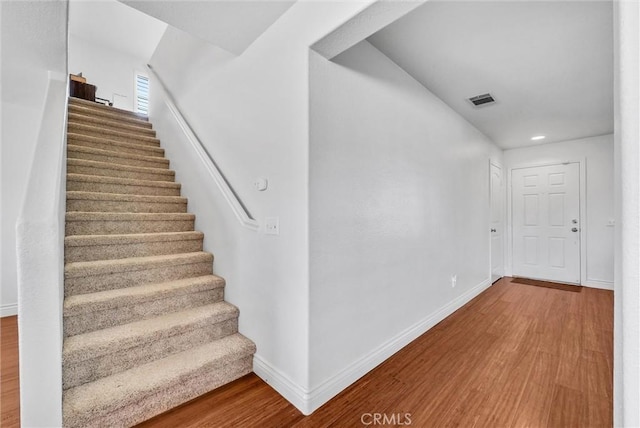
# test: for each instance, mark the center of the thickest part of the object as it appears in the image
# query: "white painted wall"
(32, 35)
(399, 202)
(626, 376)
(251, 112)
(112, 71)
(34, 93)
(597, 154)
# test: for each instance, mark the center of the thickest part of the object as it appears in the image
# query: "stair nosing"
(90, 163)
(107, 179)
(131, 238)
(81, 195)
(113, 216)
(110, 153)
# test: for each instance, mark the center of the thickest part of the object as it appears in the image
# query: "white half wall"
(399, 203)
(33, 37)
(112, 71)
(599, 219)
(626, 335)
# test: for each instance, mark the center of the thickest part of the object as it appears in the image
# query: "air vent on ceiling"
(483, 99)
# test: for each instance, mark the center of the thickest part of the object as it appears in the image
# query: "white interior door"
(497, 222)
(546, 222)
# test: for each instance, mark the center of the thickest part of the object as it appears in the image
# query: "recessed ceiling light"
(538, 137)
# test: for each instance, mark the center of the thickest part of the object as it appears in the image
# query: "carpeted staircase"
(146, 327)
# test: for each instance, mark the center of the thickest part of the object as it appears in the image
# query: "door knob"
(574, 229)
(493, 230)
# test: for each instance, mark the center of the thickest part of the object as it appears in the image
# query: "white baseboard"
(290, 390)
(597, 283)
(9, 310)
(308, 401)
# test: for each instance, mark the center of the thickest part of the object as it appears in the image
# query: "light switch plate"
(272, 226)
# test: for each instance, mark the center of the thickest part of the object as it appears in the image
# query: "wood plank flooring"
(515, 356)
(9, 373)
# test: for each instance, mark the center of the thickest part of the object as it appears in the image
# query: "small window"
(142, 94)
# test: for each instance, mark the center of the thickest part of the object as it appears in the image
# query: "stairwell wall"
(251, 113)
(399, 202)
(33, 38)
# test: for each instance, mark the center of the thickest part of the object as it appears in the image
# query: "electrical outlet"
(454, 280)
(272, 226)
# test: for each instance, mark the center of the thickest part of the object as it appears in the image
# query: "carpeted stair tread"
(130, 238)
(108, 156)
(99, 196)
(152, 388)
(103, 108)
(100, 301)
(114, 202)
(114, 145)
(115, 124)
(113, 134)
(109, 115)
(118, 339)
(106, 169)
(85, 313)
(96, 181)
(132, 264)
(91, 216)
(86, 223)
(83, 248)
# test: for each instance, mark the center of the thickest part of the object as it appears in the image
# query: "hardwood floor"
(517, 355)
(9, 373)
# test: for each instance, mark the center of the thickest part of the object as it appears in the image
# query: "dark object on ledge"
(82, 90)
(104, 101)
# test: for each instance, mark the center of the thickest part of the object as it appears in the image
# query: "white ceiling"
(548, 64)
(115, 25)
(230, 24)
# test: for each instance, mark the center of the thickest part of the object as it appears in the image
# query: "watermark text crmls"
(381, 419)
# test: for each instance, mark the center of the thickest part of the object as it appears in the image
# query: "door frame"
(492, 162)
(582, 167)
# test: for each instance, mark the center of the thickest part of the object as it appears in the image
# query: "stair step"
(85, 248)
(114, 146)
(130, 397)
(111, 134)
(100, 155)
(122, 203)
(104, 169)
(91, 356)
(109, 115)
(95, 183)
(97, 107)
(79, 223)
(84, 313)
(115, 124)
(101, 275)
